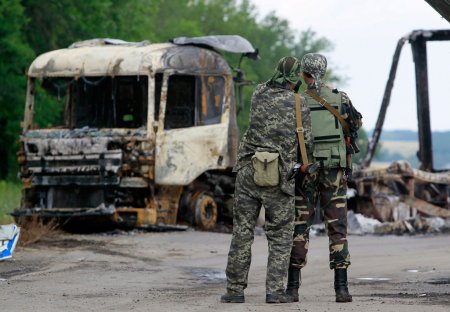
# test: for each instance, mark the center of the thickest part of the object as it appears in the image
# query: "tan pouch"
(265, 165)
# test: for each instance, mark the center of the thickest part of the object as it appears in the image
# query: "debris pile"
(399, 192)
(359, 225)
(417, 225)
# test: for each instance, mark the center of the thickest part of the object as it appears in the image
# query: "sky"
(365, 34)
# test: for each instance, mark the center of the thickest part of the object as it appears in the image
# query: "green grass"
(9, 200)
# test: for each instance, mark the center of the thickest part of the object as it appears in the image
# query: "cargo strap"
(300, 132)
(330, 108)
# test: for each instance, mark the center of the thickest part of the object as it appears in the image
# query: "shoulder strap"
(300, 135)
(330, 108)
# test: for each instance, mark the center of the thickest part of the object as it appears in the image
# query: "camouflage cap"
(287, 70)
(314, 64)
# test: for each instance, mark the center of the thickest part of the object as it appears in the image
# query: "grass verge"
(32, 229)
(9, 200)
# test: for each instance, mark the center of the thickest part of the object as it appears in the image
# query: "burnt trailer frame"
(400, 191)
(418, 40)
(146, 164)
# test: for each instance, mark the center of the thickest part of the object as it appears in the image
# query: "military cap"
(314, 64)
(287, 70)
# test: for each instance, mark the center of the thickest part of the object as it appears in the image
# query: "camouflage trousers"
(279, 223)
(327, 187)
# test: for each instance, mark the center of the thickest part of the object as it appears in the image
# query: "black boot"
(340, 286)
(279, 298)
(232, 298)
(293, 283)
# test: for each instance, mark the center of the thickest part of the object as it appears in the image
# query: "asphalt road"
(184, 271)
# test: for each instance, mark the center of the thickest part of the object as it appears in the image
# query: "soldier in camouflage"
(271, 130)
(327, 185)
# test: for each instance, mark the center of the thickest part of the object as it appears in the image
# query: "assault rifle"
(303, 169)
(350, 130)
(352, 145)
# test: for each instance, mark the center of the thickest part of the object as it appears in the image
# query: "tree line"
(29, 28)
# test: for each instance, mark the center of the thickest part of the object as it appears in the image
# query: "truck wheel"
(205, 212)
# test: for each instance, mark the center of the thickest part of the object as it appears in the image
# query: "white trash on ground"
(9, 236)
(359, 224)
(438, 224)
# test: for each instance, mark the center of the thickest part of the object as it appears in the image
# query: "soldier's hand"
(294, 171)
(348, 174)
(303, 169)
(311, 168)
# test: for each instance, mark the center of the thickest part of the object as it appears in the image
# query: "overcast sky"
(365, 34)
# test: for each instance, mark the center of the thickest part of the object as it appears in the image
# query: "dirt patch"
(432, 298)
(109, 252)
(207, 275)
(103, 247)
(67, 243)
(441, 281)
(7, 273)
(371, 281)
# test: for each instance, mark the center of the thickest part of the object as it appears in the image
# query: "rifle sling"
(330, 108)
(300, 134)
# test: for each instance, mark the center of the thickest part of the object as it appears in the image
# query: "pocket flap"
(262, 156)
(322, 154)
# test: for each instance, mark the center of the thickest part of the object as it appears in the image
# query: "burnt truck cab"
(147, 133)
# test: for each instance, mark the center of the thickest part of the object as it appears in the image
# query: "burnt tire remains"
(205, 211)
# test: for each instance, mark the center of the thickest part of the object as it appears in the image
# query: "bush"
(34, 228)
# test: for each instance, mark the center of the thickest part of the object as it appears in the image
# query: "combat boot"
(232, 298)
(293, 283)
(279, 298)
(340, 286)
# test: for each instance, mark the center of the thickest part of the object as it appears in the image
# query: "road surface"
(184, 271)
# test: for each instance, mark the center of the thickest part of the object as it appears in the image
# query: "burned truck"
(147, 133)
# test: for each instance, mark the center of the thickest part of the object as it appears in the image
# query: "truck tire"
(205, 212)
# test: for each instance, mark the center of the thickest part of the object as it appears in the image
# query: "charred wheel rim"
(205, 212)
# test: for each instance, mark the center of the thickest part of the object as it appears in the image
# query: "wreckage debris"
(360, 225)
(417, 225)
(399, 192)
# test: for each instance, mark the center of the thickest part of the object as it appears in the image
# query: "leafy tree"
(56, 24)
(15, 54)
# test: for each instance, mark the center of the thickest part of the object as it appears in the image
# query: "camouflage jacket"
(272, 127)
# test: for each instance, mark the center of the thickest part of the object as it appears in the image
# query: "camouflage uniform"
(272, 128)
(329, 187)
